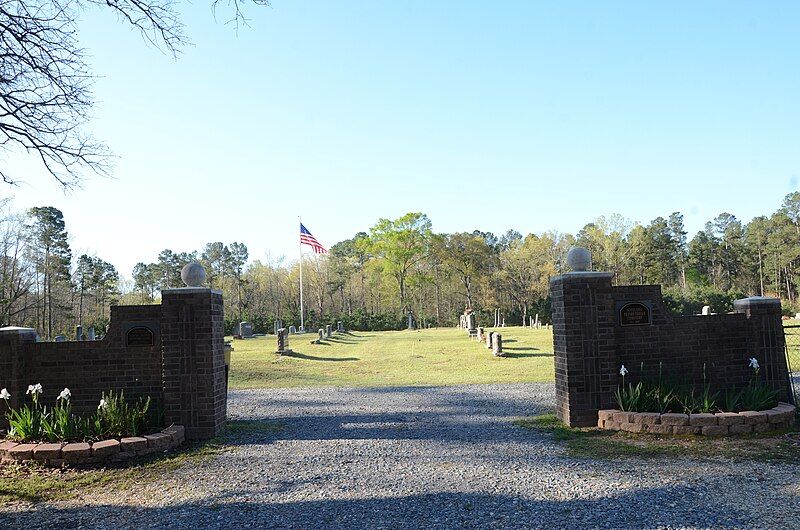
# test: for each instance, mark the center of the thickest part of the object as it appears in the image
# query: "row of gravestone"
(323, 333)
(500, 321)
(492, 339)
(80, 334)
(327, 332)
(244, 330)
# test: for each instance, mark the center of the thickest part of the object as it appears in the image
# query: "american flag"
(307, 239)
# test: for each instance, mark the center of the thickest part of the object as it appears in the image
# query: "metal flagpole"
(302, 321)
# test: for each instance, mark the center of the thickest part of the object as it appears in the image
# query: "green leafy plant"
(664, 396)
(630, 399)
(61, 424)
(757, 395)
(26, 422)
(114, 417)
(708, 401)
(731, 400)
(119, 418)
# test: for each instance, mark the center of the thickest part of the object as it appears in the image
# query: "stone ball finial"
(193, 274)
(579, 259)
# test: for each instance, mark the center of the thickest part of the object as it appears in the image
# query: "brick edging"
(719, 424)
(111, 450)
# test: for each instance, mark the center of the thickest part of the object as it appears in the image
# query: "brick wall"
(171, 352)
(590, 345)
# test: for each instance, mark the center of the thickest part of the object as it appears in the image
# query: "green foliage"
(690, 301)
(731, 400)
(758, 396)
(60, 424)
(399, 245)
(683, 397)
(115, 417)
(25, 423)
(632, 398)
(691, 402)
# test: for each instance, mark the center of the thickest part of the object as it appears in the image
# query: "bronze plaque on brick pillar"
(634, 314)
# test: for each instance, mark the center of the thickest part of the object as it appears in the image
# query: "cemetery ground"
(428, 357)
(416, 430)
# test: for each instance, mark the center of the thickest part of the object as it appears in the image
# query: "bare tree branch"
(45, 83)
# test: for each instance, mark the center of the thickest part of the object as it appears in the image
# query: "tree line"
(402, 266)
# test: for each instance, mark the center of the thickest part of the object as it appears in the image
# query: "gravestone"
(706, 310)
(91, 333)
(292, 330)
(328, 331)
(497, 345)
(471, 324)
(479, 334)
(60, 338)
(489, 340)
(340, 326)
(283, 341)
(410, 321)
(78, 333)
(245, 330)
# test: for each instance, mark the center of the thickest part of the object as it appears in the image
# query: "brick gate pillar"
(583, 345)
(192, 334)
(766, 340)
(13, 365)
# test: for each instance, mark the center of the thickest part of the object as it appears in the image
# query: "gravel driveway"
(446, 457)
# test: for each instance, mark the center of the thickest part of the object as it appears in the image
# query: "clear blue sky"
(489, 115)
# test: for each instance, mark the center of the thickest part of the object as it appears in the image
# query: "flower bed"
(718, 424)
(83, 453)
(115, 417)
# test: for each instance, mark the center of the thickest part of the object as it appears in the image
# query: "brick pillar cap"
(756, 302)
(583, 275)
(16, 330)
(190, 290)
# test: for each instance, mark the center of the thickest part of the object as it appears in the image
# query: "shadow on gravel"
(668, 506)
(445, 414)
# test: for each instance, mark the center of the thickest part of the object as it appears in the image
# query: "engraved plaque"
(634, 314)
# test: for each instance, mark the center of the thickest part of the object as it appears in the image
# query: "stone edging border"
(719, 424)
(112, 450)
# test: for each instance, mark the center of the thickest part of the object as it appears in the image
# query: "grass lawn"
(442, 356)
(774, 446)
